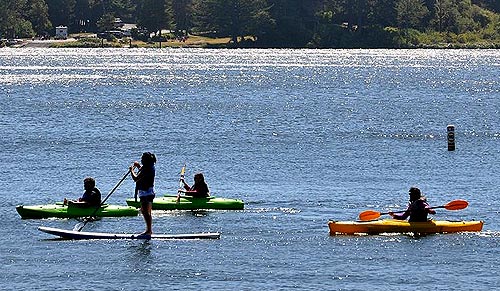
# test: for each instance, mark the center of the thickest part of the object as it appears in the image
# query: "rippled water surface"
(302, 136)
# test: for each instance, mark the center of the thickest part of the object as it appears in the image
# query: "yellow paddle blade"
(456, 204)
(369, 215)
(183, 170)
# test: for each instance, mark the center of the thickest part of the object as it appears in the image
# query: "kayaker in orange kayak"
(418, 207)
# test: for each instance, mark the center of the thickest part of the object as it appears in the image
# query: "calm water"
(303, 136)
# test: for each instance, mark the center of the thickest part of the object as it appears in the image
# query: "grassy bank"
(93, 42)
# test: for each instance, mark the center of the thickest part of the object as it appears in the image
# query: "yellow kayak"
(402, 226)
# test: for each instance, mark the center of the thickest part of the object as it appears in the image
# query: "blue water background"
(302, 136)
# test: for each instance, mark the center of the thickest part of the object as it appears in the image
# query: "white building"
(61, 32)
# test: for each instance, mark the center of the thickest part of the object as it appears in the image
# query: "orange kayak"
(402, 226)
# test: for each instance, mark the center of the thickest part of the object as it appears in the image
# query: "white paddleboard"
(73, 234)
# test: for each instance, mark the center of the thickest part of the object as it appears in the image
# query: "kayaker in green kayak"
(91, 196)
(144, 187)
(199, 188)
(418, 207)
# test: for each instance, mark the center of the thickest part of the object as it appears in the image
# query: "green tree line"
(269, 23)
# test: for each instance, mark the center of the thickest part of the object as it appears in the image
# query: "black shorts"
(147, 199)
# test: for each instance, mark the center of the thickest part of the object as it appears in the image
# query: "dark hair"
(415, 193)
(200, 175)
(148, 158)
(89, 183)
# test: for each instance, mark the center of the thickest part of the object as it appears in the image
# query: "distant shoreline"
(200, 42)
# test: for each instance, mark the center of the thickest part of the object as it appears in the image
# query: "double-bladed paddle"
(452, 205)
(99, 206)
(181, 184)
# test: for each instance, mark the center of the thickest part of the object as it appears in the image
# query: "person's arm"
(78, 204)
(401, 216)
(135, 175)
(186, 185)
(188, 192)
(85, 197)
(429, 210)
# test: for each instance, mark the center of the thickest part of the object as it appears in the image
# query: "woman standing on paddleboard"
(144, 187)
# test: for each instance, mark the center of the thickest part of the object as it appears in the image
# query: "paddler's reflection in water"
(140, 252)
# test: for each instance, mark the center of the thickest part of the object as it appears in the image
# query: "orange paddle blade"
(369, 215)
(183, 170)
(456, 205)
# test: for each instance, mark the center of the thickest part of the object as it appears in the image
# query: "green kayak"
(169, 202)
(64, 211)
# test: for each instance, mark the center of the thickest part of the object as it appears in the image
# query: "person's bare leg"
(146, 209)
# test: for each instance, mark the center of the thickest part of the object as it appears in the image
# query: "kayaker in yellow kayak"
(91, 196)
(199, 188)
(418, 207)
